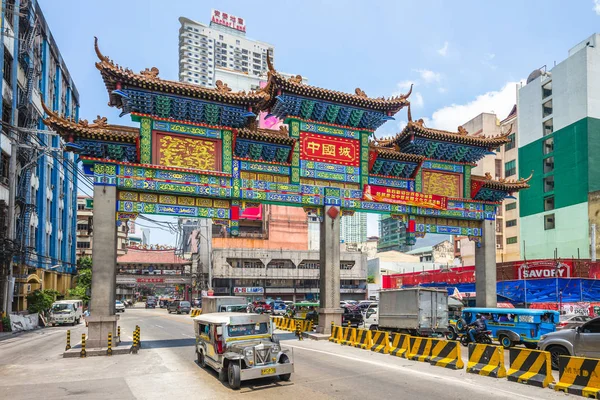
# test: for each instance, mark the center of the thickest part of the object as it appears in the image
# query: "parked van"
(66, 312)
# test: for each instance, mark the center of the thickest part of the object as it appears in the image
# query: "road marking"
(158, 326)
(183, 334)
(450, 380)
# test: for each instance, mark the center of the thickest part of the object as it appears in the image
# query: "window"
(4, 166)
(549, 203)
(548, 127)
(548, 164)
(546, 108)
(498, 168)
(512, 222)
(6, 116)
(9, 12)
(237, 42)
(511, 144)
(510, 206)
(8, 61)
(549, 221)
(220, 37)
(511, 240)
(83, 245)
(547, 90)
(510, 168)
(549, 184)
(80, 206)
(548, 146)
(591, 327)
(498, 242)
(82, 227)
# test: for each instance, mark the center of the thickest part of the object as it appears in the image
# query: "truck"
(415, 311)
(213, 304)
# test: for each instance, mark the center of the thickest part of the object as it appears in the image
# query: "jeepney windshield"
(62, 308)
(247, 329)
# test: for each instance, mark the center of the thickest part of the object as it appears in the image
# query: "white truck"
(416, 311)
(213, 304)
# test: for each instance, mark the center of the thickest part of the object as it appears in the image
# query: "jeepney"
(240, 346)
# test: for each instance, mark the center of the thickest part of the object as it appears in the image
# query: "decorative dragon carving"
(150, 73)
(222, 87)
(359, 92)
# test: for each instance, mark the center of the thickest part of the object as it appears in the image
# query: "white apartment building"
(221, 51)
(353, 229)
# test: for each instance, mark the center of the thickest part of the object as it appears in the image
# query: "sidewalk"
(8, 335)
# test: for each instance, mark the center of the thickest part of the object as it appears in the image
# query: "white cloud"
(597, 6)
(429, 76)
(442, 90)
(499, 102)
(487, 60)
(404, 86)
(444, 50)
(416, 100)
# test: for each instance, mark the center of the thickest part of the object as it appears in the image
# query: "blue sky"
(464, 57)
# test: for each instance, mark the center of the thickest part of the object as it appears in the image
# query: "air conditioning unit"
(5, 180)
(498, 246)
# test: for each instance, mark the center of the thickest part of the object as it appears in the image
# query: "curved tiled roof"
(392, 154)
(278, 82)
(280, 136)
(114, 75)
(99, 129)
(505, 185)
(461, 137)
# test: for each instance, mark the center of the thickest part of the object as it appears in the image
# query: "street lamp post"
(525, 269)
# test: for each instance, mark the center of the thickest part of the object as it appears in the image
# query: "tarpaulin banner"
(384, 194)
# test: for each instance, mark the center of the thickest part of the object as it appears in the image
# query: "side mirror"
(578, 329)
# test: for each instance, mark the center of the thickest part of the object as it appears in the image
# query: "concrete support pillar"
(485, 266)
(329, 289)
(102, 318)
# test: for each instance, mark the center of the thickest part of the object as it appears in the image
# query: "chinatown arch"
(198, 152)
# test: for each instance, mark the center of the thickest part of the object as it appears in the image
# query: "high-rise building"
(42, 221)
(221, 51)
(559, 121)
(502, 164)
(353, 229)
(392, 235)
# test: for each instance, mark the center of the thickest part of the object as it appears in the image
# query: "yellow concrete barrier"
(531, 367)
(579, 376)
(363, 339)
(446, 353)
(195, 312)
(348, 336)
(486, 360)
(400, 344)
(420, 349)
(381, 342)
(336, 333)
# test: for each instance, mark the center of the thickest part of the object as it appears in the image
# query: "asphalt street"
(31, 366)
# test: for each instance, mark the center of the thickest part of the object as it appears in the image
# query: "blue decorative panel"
(329, 130)
(187, 129)
(397, 183)
(267, 168)
(440, 166)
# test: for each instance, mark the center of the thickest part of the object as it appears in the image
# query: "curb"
(13, 334)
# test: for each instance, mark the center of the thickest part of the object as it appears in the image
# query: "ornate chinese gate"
(198, 153)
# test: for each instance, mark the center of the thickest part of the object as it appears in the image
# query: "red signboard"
(150, 280)
(228, 20)
(544, 269)
(383, 194)
(329, 149)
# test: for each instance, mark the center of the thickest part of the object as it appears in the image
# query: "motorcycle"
(482, 337)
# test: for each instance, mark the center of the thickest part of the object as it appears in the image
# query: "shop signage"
(228, 20)
(150, 280)
(383, 194)
(329, 149)
(256, 290)
(544, 269)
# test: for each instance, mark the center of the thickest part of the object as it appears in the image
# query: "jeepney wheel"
(451, 335)
(505, 341)
(233, 375)
(201, 360)
(284, 360)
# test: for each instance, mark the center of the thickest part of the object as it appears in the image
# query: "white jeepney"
(240, 347)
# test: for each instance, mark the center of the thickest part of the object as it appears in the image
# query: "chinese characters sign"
(390, 195)
(150, 280)
(228, 20)
(443, 184)
(179, 151)
(329, 149)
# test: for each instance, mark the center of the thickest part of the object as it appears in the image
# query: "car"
(179, 307)
(581, 341)
(119, 306)
(278, 307)
(353, 316)
(240, 347)
(260, 307)
(571, 321)
(150, 304)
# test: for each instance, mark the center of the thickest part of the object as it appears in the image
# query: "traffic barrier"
(446, 353)
(381, 342)
(109, 345)
(531, 367)
(486, 360)
(135, 345)
(68, 346)
(420, 349)
(400, 344)
(277, 322)
(363, 339)
(119, 332)
(195, 312)
(82, 353)
(336, 333)
(580, 376)
(348, 336)
(299, 330)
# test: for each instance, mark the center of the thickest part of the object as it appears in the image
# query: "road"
(31, 366)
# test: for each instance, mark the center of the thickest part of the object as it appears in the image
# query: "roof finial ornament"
(283, 130)
(420, 122)
(409, 113)
(488, 176)
(101, 56)
(296, 79)
(100, 121)
(150, 73)
(360, 93)
(462, 131)
(507, 133)
(83, 122)
(222, 87)
(269, 63)
(407, 94)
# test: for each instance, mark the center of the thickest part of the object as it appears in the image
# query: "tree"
(370, 279)
(40, 301)
(84, 262)
(84, 281)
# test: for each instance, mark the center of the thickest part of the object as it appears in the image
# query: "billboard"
(228, 20)
(544, 269)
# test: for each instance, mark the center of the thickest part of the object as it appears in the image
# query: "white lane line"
(158, 326)
(183, 334)
(450, 380)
